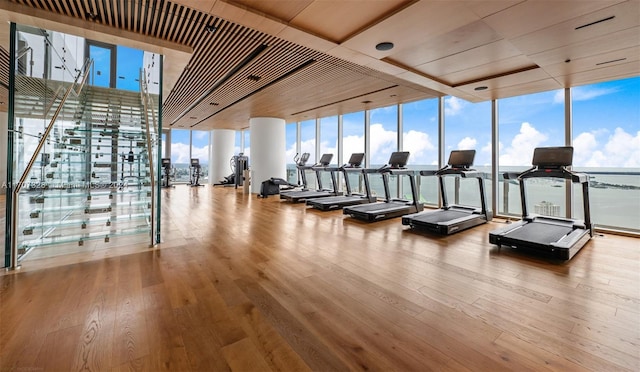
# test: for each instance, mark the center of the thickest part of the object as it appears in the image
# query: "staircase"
(91, 181)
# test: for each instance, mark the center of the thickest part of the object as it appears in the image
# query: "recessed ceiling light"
(483, 87)
(210, 28)
(253, 77)
(384, 46)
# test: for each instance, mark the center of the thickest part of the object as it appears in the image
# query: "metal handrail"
(143, 97)
(27, 170)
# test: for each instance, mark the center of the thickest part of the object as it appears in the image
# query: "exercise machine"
(558, 237)
(321, 166)
(390, 207)
(274, 185)
(350, 198)
(195, 172)
(452, 218)
(167, 173)
(238, 164)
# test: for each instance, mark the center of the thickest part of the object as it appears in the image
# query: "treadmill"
(558, 237)
(390, 207)
(350, 198)
(452, 218)
(302, 195)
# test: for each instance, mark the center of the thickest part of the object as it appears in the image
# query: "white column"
(3, 150)
(268, 150)
(222, 149)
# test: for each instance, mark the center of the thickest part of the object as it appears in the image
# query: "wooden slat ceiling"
(307, 58)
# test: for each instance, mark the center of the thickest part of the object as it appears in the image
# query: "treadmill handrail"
(560, 172)
(401, 172)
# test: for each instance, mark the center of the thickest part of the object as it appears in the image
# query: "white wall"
(222, 149)
(268, 150)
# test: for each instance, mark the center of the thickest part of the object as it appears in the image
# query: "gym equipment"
(321, 166)
(350, 198)
(452, 218)
(561, 238)
(238, 164)
(195, 171)
(274, 185)
(167, 173)
(390, 207)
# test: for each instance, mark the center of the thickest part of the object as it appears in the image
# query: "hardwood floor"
(249, 284)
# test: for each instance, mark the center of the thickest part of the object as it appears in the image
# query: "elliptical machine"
(195, 173)
(167, 173)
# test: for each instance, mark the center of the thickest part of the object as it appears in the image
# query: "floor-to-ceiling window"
(384, 140)
(606, 141)
(246, 150)
(200, 151)
(420, 138)
(291, 132)
(328, 143)
(308, 145)
(353, 142)
(180, 154)
(526, 122)
(468, 127)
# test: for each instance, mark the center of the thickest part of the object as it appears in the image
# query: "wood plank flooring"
(248, 284)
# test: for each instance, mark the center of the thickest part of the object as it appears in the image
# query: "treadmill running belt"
(439, 216)
(540, 232)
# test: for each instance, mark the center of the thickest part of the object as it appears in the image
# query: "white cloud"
(467, 143)
(383, 143)
(420, 146)
(180, 153)
(520, 151)
(453, 105)
(602, 149)
(586, 93)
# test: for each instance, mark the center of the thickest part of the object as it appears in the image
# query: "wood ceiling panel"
(620, 40)
(527, 87)
(627, 15)
(595, 62)
(489, 69)
(412, 26)
(530, 16)
(336, 20)
(484, 9)
(611, 72)
(459, 40)
(284, 10)
(470, 59)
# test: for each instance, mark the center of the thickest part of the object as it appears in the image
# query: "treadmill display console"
(325, 159)
(399, 159)
(552, 157)
(356, 159)
(461, 158)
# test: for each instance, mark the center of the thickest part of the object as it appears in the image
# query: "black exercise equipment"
(238, 164)
(274, 185)
(167, 172)
(452, 218)
(195, 172)
(350, 198)
(390, 207)
(321, 166)
(558, 237)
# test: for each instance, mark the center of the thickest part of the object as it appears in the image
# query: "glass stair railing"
(90, 176)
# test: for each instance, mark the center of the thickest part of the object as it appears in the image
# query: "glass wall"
(606, 141)
(384, 140)
(180, 154)
(291, 132)
(468, 127)
(247, 142)
(353, 142)
(308, 144)
(420, 138)
(200, 151)
(527, 122)
(328, 143)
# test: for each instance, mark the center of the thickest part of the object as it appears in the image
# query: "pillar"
(268, 150)
(3, 151)
(222, 149)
